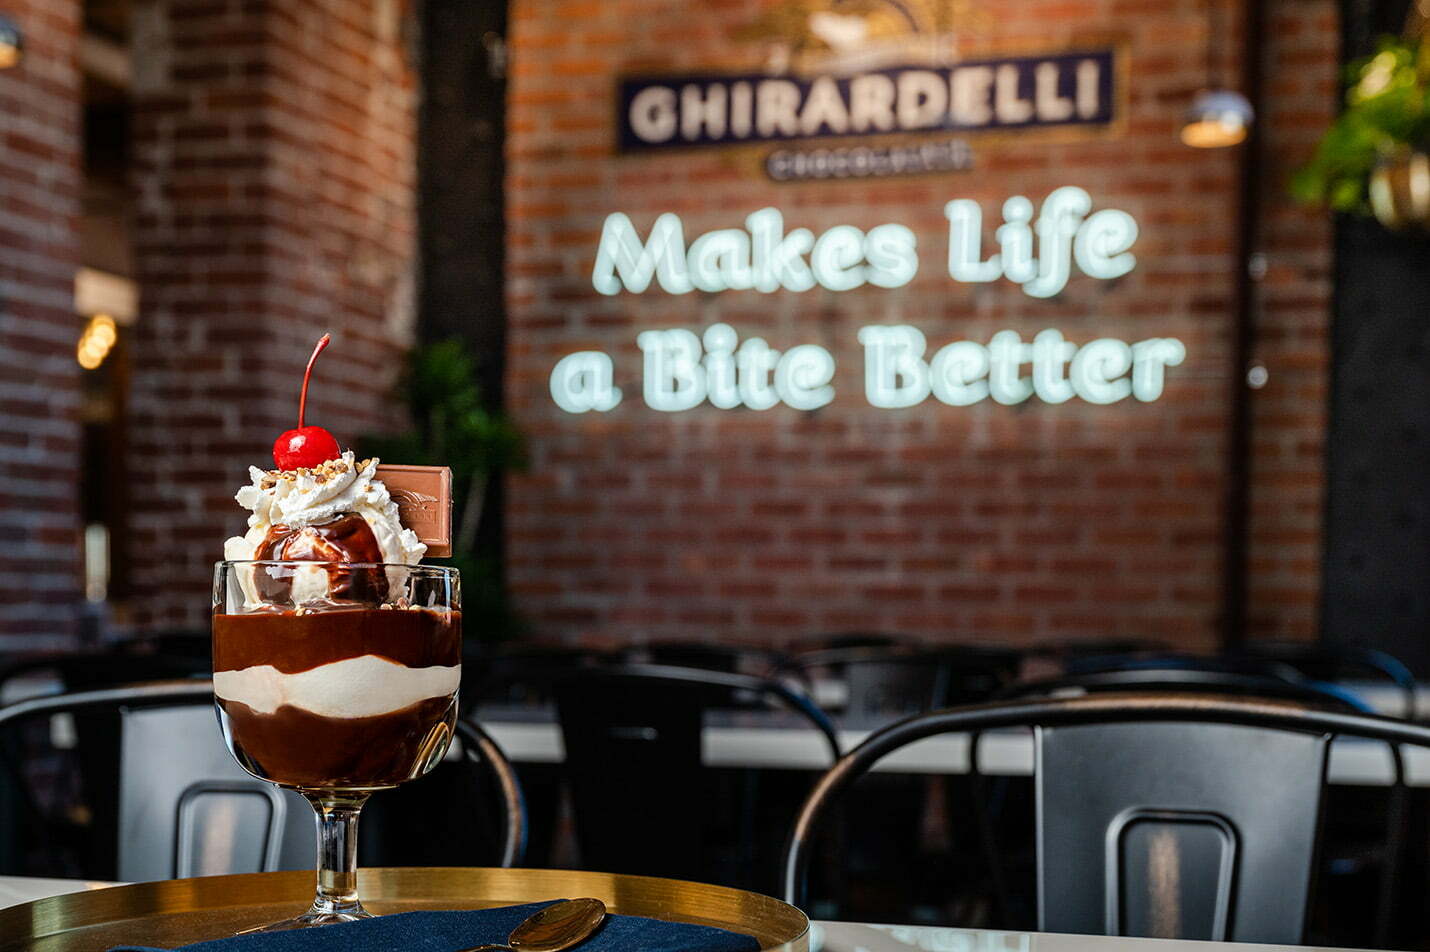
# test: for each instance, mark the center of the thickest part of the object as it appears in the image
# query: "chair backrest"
(1170, 816)
(633, 739)
(893, 681)
(523, 673)
(181, 805)
(1186, 673)
(1324, 662)
(1069, 652)
(850, 639)
(707, 655)
(1178, 819)
(185, 807)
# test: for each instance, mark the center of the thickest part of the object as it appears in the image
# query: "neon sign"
(1039, 255)
(966, 372)
(678, 377)
(1039, 248)
(682, 371)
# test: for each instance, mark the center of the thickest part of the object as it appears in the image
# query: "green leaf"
(452, 425)
(1387, 113)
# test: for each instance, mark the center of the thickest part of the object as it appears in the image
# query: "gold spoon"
(557, 927)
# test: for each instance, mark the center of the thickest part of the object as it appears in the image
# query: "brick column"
(1288, 457)
(274, 175)
(39, 378)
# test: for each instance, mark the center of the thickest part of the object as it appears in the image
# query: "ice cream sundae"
(336, 655)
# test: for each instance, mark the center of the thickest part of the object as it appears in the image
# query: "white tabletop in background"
(829, 936)
(530, 735)
(862, 937)
(17, 889)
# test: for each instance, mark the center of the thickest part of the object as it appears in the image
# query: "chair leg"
(1396, 830)
(988, 838)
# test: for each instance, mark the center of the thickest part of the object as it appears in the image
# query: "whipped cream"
(354, 687)
(308, 497)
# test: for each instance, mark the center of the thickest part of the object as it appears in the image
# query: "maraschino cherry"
(307, 446)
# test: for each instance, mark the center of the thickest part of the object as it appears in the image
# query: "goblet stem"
(337, 897)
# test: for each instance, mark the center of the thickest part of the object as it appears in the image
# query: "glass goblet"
(336, 679)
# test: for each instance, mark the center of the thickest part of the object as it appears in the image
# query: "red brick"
(39, 251)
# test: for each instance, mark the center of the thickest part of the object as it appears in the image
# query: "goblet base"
(310, 919)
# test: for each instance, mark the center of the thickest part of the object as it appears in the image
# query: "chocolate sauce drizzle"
(348, 538)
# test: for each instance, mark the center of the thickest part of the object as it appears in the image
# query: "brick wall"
(39, 378)
(1012, 523)
(274, 181)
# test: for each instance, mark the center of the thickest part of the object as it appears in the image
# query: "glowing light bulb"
(96, 341)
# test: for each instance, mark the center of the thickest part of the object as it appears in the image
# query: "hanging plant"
(1373, 159)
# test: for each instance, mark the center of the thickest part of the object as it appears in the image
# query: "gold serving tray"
(178, 911)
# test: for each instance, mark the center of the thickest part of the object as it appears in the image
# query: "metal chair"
(883, 682)
(522, 673)
(707, 655)
(1151, 671)
(1070, 650)
(1324, 662)
(1212, 675)
(894, 681)
(1171, 816)
(183, 805)
(1319, 664)
(641, 792)
(851, 639)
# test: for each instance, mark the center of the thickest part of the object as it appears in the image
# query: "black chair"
(1068, 653)
(520, 675)
(1325, 662)
(709, 656)
(523, 673)
(1212, 675)
(1230, 675)
(181, 805)
(851, 639)
(897, 680)
(153, 658)
(1361, 815)
(883, 683)
(644, 801)
(1174, 816)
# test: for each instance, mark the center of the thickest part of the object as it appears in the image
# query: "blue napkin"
(450, 931)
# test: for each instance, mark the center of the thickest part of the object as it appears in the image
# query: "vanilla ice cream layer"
(354, 687)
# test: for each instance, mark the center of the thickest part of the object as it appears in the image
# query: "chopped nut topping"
(320, 474)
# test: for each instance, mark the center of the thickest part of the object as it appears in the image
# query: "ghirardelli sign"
(852, 85)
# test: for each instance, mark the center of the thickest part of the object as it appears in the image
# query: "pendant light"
(10, 44)
(1219, 116)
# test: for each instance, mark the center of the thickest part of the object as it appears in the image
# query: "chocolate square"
(424, 501)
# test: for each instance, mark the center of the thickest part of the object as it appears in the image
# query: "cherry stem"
(303, 398)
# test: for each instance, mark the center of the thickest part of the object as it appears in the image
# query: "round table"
(178, 911)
